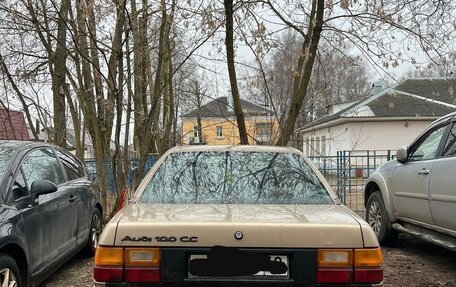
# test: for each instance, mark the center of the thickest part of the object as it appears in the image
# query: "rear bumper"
(302, 264)
(222, 284)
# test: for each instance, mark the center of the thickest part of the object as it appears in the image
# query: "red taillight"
(108, 274)
(334, 276)
(142, 275)
(370, 276)
(108, 264)
(368, 265)
(335, 266)
(342, 266)
(131, 265)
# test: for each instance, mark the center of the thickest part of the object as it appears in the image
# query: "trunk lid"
(268, 226)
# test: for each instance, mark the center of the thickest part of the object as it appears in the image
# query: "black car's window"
(41, 164)
(5, 158)
(19, 188)
(428, 145)
(73, 167)
(235, 178)
(449, 149)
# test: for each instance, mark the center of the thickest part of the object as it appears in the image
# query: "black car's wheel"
(377, 217)
(9, 272)
(95, 230)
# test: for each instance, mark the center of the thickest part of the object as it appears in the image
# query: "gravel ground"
(410, 262)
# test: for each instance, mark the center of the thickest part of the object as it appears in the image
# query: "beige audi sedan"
(236, 216)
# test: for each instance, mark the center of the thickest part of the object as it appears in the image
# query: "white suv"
(417, 192)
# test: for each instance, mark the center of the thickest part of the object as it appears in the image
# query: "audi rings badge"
(238, 235)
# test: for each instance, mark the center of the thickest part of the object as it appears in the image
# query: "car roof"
(441, 120)
(238, 148)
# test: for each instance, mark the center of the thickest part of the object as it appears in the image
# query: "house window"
(317, 146)
(218, 132)
(263, 130)
(196, 132)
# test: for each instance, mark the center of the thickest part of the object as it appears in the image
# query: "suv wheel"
(377, 217)
(9, 272)
(95, 231)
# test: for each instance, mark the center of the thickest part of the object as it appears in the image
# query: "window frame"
(419, 141)
(196, 131)
(263, 127)
(18, 169)
(57, 152)
(219, 132)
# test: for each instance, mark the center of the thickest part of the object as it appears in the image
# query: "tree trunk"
(232, 73)
(115, 96)
(126, 155)
(88, 102)
(199, 126)
(168, 94)
(59, 87)
(305, 65)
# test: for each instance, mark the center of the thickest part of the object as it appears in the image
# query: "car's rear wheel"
(95, 231)
(9, 272)
(377, 217)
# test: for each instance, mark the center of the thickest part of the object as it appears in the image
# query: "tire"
(94, 234)
(377, 217)
(9, 272)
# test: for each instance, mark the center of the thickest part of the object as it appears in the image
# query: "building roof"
(441, 89)
(219, 108)
(407, 100)
(12, 125)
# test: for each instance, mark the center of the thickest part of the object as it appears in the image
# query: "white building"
(390, 118)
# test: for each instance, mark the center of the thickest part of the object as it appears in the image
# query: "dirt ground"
(410, 262)
(414, 262)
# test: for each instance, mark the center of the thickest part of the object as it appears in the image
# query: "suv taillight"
(132, 265)
(345, 266)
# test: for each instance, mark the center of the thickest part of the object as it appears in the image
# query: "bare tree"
(229, 11)
(370, 28)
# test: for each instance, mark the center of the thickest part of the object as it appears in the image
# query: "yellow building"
(219, 126)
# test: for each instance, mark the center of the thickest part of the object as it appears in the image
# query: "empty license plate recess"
(202, 261)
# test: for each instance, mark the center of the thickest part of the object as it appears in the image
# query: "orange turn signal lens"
(109, 256)
(368, 257)
(142, 257)
(335, 257)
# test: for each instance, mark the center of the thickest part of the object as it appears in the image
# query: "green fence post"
(368, 165)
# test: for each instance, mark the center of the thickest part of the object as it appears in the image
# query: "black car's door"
(50, 223)
(81, 187)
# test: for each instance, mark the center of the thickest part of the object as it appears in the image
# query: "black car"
(48, 211)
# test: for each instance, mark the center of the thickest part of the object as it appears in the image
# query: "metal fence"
(110, 173)
(348, 171)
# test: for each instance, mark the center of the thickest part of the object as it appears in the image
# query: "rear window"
(235, 178)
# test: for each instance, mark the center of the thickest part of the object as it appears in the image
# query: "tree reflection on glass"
(235, 178)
